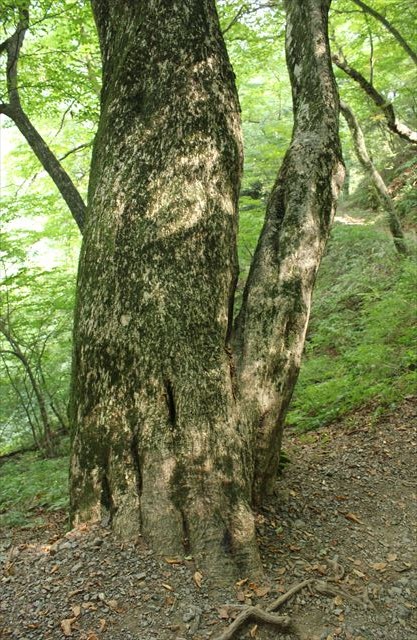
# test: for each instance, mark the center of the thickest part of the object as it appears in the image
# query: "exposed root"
(262, 615)
(266, 615)
(254, 613)
(289, 594)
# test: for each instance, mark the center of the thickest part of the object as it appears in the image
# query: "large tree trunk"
(163, 421)
(156, 442)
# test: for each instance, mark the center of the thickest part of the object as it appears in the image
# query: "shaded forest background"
(361, 345)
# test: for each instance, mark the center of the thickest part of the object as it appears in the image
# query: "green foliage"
(362, 341)
(29, 485)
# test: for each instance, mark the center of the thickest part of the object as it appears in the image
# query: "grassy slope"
(29, 485)
(362, 341)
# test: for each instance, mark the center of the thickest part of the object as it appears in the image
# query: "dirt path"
(344, 516)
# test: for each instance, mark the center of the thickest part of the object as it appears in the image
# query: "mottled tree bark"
(379, 184)
(156, 441)
(271, 326)
(168, 402)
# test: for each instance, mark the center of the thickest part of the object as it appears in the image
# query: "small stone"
(299, 524)
(188, 616)
(403, 613)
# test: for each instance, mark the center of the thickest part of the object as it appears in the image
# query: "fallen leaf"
(294, 547)
(359, 573)
(240, 596)
(176, 560)
(76, 610)
(66, 626)
(54, 568)
(103, 624)
(240, 583)
(262, 591)
(198, 578)
(113, 605)
(253, 631)
(338, 600)
(167, 587)
(92, 636)
(352, 517)
(321, 568)
(223, 613)
(379, 566)
(281, 571)
(391, 557)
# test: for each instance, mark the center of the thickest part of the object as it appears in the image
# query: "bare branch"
(14, 110)
(390, 27)
(386, 107)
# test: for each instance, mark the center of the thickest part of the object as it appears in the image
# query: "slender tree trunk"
(379, 184)
(39, 395)
(165, 421)
(271, 326)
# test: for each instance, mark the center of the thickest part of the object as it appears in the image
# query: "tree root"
(254, 613)
(262, 615)
(266, 615)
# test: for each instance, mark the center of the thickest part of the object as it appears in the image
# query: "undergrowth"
(28, 486)
(361, 345)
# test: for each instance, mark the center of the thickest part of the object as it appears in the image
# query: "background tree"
(363, 157)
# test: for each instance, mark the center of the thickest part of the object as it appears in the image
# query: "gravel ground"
(344, 517)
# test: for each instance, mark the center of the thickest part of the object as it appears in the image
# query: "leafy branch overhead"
(14, 110)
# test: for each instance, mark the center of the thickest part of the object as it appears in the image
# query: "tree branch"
(14, 110)
(386, 107)
(397, 35)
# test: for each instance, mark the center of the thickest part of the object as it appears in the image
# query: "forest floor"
(343, 521)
